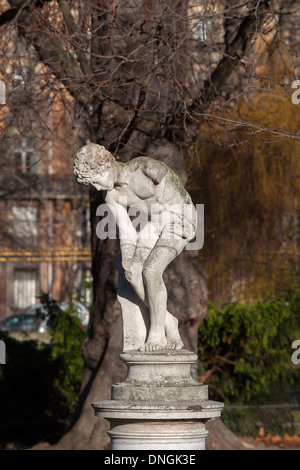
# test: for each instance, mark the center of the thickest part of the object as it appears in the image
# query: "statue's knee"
(137, 269)
(152, 277)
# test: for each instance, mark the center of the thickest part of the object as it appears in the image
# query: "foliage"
(245, 351)
(27, 393)
(39, 385)
(67, 336)
(86, 291)
(248, 420)
(26, 379)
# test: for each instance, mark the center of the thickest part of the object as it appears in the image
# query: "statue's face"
(104, 181)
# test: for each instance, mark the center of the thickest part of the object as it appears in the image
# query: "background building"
(44, 212)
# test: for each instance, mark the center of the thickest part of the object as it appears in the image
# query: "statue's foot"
(154, 344)
(175, 345)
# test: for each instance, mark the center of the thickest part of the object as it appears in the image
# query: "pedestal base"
(159, 406)
(159, 426)
(162, 376)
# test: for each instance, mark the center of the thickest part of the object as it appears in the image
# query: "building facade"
(44, 212)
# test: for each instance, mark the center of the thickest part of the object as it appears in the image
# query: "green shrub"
(40, 382)
(245, 351)
(67, 336)
(247, 420)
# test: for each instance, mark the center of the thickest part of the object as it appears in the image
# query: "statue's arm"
(127, 232)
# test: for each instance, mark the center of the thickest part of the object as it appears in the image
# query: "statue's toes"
(151, 347)
(175, 345)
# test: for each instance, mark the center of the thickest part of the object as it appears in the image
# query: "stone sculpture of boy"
(170, 225)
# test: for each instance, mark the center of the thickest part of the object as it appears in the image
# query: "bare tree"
(142, 77)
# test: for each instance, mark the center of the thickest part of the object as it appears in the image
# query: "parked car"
(30, 320)
(35, 318)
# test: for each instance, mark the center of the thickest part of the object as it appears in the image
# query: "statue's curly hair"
(91, 160)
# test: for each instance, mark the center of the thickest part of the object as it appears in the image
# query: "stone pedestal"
(159, 406)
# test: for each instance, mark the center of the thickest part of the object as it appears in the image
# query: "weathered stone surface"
(166, 426)
(159, 405)
(159, 393)
(167, 222)
(162, 376)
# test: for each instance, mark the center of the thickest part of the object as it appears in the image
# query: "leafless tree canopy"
(141, 78)
(147, 67)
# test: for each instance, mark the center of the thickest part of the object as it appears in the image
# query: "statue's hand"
(132, 270)
(127, 264)
(133, 273)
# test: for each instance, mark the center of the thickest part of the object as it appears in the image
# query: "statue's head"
(94, 165)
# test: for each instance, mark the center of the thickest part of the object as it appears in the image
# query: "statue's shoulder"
(147, 165)
(145, 162)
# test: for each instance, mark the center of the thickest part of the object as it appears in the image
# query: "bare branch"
(35, 27)
(233, 53)
(8, 16)
(82, 57)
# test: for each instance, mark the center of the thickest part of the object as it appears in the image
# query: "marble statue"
(169, 223)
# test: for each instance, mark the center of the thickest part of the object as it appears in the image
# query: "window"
(86, 287)
(20, 76)
(18, 79)
(202, 29)
(83, 231)
(2, 92)
(23, 86)
(25, 225)
(25, 156)
(25, 288)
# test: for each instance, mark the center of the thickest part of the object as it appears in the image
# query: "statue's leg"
(135, 315)
(145, 246)
(146, 241)
(171, 327)
(137, 283)
(172, 333)
(162, 254)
